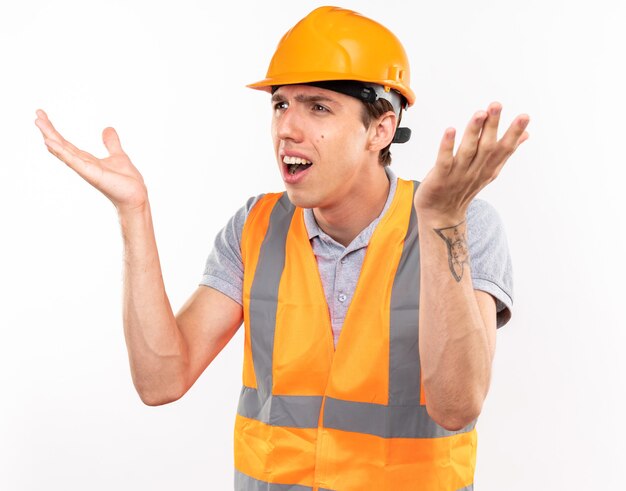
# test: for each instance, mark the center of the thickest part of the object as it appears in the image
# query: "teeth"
(294, 160)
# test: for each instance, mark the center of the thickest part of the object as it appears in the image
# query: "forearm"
(156, 349)
(454, 349)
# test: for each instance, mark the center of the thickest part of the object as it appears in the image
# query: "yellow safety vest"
(314, 418)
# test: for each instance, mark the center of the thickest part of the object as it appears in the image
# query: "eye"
(319, 108)
(280, 105)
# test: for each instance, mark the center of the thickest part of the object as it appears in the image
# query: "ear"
(381, 131)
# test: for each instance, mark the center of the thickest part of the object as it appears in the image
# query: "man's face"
(323, 127)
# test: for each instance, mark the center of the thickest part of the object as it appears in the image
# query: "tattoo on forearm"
(458, 255)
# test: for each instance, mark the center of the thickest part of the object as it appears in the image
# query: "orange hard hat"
(338, 44)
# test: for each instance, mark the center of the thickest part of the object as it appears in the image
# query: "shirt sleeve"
(223, 269)
(490, 261)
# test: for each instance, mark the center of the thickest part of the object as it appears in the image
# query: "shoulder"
(250, 204)
(229, 238)
(238, 220)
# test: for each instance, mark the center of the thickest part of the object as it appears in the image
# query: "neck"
(364, 202)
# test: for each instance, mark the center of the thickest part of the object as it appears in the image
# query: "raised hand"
(446, 191)
(115, 176)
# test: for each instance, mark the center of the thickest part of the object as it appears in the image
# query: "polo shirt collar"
(364, 236)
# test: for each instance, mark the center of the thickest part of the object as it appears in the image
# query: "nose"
(288, 125)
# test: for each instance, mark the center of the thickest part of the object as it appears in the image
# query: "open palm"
(115, 176)
(455, 180)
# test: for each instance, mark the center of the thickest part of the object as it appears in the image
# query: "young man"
(370, 303)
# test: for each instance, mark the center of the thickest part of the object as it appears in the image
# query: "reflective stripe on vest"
(310, 417)
(247, 483)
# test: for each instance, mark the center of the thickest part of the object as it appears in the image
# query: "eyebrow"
(276, 97)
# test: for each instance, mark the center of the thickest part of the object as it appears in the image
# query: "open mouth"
(296, 164)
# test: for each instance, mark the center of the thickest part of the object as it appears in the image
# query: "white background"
(170, 78)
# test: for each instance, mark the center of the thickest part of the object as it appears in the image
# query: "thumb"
(112, 141)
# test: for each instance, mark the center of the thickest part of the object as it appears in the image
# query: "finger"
(489, 135)
(49, 131)
(445, 156)
(521, 140)
(112, 141)
(86, 169)
(469, 144)
(69, 147)
(62, 151)
(45, 125)
(511, 139)
(525, 136)
(46, 130)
